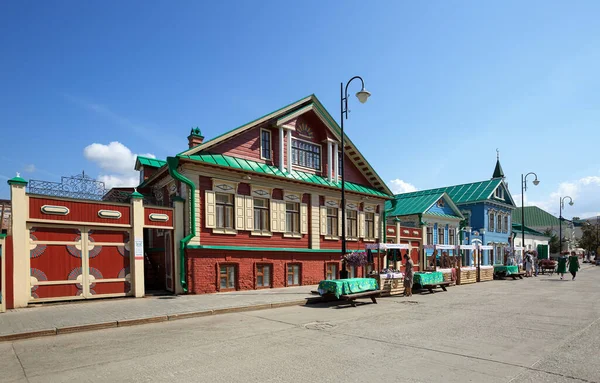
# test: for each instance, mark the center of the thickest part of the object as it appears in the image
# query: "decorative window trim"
(221, 186)
(111, 214)
(55, 210)
(261, 233)
(270, 144)
(370, 208)
(320, 168)
(332, 203)
(156, 217)
(292, 235)
(292, 197)
(352, 205)
(261, 192)
(225, 231)
(331, 238)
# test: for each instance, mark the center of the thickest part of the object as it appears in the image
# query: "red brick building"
(259, 206)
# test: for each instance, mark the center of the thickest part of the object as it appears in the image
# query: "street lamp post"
(523, 190)
(362, 96)
(562, 205)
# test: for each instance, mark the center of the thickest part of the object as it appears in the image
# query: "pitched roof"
(269, 170)
(516, 228)
(147, 161)
(498, 172)
(413, 203)
(303, 105)
(535, 217)
(465, 193)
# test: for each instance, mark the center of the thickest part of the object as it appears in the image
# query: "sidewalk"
(45, 320)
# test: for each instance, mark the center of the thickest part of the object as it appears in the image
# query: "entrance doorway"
(158, 261)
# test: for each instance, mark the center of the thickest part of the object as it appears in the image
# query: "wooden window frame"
(296, 214)
(235, 276)
(287, 274)
(255, 209)
(451, 236)
(351, 223)
(441, 232)
(337, 269)
(499, 222)
(270, 149)
(491, 221)
(429, 235)
(232, 212)
(370, 223)
(257, 274)
(330, 233)
(298, 149)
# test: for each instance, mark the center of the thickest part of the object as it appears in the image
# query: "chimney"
(195, 138)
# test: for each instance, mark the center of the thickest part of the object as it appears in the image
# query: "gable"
(307, 111)
(502, 194)
(443, 208)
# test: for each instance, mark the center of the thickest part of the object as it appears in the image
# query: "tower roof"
(498, 172)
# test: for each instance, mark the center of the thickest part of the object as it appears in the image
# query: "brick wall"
(203, 267)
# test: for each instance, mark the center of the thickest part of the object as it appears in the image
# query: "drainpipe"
(173, 162)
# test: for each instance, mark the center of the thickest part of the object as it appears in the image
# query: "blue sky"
(451, 82)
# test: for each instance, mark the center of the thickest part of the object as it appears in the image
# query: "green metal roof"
(465, 193)
(153, 162)
(535, 217)
(257, 167)
(516, 228)
(442, 215)
(408, 204)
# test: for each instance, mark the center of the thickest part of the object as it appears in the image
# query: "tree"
(589, 237)
(554, 245)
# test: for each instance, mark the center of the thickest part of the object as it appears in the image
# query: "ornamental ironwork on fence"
(79, 187)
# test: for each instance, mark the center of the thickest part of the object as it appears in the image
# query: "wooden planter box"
(486, 274)
(447, 273)
(390, 286)
(467, 276)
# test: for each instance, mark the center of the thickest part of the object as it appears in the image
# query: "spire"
(498, 172)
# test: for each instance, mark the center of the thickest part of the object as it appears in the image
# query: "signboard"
(445, 247)
(467, 247)
(519, 248)
(486, 247)
(139, 248)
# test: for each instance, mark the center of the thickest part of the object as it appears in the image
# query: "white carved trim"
(109, 214)
(220, 186)
(292, 197)
(55, 210)
(332, 203)
(158, 217)
(259, 191)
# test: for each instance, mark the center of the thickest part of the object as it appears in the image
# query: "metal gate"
(78, 262)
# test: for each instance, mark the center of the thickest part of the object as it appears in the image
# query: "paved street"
(532, 330)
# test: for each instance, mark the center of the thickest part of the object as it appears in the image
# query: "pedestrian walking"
(528, 264)
(408, 275)
(562, 265)
(573, 265)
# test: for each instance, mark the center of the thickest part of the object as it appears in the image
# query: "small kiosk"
(390, 279)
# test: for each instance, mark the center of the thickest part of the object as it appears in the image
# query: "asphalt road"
(532, 330)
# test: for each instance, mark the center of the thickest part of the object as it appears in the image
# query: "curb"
(142, 321)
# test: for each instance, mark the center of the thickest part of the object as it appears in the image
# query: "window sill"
(351, 239)
(261, 233)
(330, 238)
(292, 235)
(225, 231)
(368, 239)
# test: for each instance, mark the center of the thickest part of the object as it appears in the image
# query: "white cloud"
(116, 161)
(29, 168)
(399, 186)
(585, 193)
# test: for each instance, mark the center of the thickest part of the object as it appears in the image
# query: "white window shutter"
(377, 229)
(303, 218)
(275, 217)
(282, 216)
(340, 223)
(210, 209)
(323, 215)
(249, 216)
(239, 212)
(361, 224)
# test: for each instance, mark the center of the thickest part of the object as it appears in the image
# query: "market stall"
(449, 265)
(390, 278)
(339, 287)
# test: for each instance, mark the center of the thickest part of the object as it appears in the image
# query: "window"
(499, 227)
(451, 236)
(293, 275)
(224, 210)
(369, 225)
(332, 221)
(352, 222)
(340, 163)
(261, 214)
(263, 276)
(331, 271)
(491, 222)
(306, 154)
(227, 277)
(429, 235)
(505, 224)
(351, 271)
(265, 144)
(440, 236)
(292, 217)
(499, 193)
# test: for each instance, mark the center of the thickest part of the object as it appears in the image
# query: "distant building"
(542, 221)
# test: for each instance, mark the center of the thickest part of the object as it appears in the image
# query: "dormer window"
(499, 193)
(306, 154)
(265, 144)
(440, 203)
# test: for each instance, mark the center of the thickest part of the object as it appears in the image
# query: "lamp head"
(536, 182)
(571, 203)
(363, 95)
